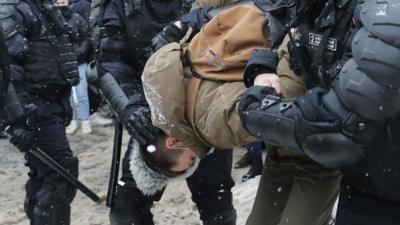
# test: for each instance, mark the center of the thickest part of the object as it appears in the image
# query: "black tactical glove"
(170, 33)
(195, 19)
(312, 107)
(137, 121)
(23, 138)
(315, 111)
(22, 131)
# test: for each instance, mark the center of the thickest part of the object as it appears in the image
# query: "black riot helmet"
(162, 11)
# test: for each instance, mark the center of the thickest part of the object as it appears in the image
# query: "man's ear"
(172, 143)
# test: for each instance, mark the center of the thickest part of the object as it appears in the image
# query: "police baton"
(116, 157)
(107, 85)
(42, 156)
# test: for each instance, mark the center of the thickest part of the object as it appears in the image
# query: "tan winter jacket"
(292, 85)
(216, 109)
(216, 117)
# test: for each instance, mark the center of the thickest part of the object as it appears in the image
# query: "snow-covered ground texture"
(94, 152)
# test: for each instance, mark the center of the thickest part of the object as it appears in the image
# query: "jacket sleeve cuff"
(260, 62)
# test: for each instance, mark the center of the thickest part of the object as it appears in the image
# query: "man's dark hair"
(163, 159)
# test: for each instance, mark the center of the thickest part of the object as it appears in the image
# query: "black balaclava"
(66, 11)
(162, 11)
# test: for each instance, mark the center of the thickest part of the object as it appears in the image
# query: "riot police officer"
(42, 69)
(349, 117)
(127, 28)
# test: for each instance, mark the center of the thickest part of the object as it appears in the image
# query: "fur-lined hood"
(147, 180)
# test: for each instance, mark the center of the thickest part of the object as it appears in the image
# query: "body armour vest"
(330, 27)
(51, 58)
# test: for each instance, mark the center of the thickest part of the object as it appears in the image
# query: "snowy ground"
(94, 152)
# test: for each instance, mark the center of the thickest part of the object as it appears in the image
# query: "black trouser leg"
(131, 206)
(211, 186)
(49, 196)
(51, 137)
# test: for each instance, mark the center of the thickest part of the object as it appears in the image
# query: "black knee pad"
(55, 189)
(131, 207)
(52, 201)
(31, 187)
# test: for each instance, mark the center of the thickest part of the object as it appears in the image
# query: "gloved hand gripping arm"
(175, 31)
(302, 125)
(195, 19)
(133, 112)
(22, 120)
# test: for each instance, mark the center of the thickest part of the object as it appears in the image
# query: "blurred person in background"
(254, 153)
(79, 29)
(82, 7)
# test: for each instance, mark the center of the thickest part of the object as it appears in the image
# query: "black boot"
(256, 167)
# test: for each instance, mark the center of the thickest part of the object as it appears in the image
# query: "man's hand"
(268, 79)
(22, 130)
(137, 121)
(22, 138)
